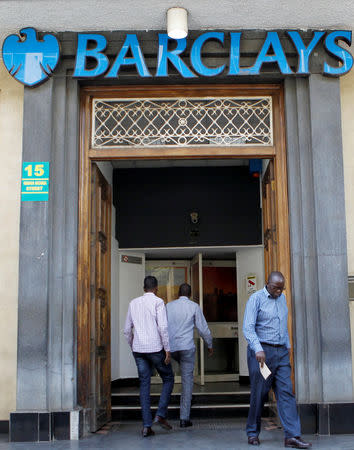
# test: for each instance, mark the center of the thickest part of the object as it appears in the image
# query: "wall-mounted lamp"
(177, 23)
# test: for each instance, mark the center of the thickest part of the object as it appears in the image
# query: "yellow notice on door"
(251, 284)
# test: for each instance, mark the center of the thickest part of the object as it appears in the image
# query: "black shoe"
(185, 423)
(253, 440)
(296, 442)
(147, 431)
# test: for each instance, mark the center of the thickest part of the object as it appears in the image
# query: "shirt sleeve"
(287, 340)
(202, 327)
(128, 328)
(162, 325)
(249, 324)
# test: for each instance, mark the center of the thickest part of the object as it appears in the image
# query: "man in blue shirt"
(265, 328)
(182, 316)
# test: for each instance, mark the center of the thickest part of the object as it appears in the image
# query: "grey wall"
(46, 376)
(66, 15)
(318, 240)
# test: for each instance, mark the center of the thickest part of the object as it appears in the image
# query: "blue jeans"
(185, 359)
(277, 359)
(145, 362)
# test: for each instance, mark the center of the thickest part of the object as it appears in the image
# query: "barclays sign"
(31, 61)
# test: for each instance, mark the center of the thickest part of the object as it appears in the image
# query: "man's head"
(275, 284)
(150, 284)
(185, 290)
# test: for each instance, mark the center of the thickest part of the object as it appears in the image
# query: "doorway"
(275, 152)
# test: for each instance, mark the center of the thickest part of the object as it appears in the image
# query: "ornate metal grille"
(182, 122)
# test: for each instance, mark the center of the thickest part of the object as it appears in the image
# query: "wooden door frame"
(87, 155)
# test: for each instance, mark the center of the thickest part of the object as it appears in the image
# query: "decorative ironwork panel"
(181, 122)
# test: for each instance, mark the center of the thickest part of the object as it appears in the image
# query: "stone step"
(122, 413)
(123, 399)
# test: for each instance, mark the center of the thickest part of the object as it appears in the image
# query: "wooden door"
(271, 260)
(269, 221)
(100, 301)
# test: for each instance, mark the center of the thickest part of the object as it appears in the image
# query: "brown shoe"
(253, 440)
(162, 422)
(147, 431)
(296, 442)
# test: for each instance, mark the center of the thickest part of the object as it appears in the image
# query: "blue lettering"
(96, 53)
(303, 51)
(173, 55)
(131, 42)
(235, 54)
(196, 57)
(342, 55)
(272, 41)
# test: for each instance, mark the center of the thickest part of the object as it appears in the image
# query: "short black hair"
(150, 283)
(185, 290)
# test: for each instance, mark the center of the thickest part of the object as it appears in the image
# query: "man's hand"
(168, 358)
(210, 352)
(261, 357)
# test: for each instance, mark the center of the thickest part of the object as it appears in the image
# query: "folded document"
(264, 370)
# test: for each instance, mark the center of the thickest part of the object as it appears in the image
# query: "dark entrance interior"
(187, 206)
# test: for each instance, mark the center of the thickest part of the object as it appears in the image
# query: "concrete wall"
(347, 102)
(72, 15)
(11, 106)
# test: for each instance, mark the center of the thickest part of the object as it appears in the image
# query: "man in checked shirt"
(151, 349)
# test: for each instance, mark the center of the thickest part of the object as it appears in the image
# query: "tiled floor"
(206, 435)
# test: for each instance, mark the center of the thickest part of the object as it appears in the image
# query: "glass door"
(197, 296)
(219, 306)
(170, 275)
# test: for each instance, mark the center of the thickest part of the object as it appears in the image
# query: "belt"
(272, 345)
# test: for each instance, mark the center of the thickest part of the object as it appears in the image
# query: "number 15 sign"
(35, 181)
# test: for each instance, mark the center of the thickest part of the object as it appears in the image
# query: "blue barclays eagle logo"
(29, 60)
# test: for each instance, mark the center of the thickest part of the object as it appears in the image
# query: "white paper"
(264, 370)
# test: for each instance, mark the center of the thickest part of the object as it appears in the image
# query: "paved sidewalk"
(204, 435)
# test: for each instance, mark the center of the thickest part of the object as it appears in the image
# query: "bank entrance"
(197, 189)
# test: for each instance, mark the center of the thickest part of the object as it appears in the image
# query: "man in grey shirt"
(182, 316)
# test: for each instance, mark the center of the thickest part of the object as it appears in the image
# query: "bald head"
(275, 284)
(276, 276)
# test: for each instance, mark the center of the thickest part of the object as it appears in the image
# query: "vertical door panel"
(269, 220)
(131, 273)
(270, 238)
(197, 296)
(249, 263)
(100, 262)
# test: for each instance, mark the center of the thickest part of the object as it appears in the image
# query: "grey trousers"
(185, 359)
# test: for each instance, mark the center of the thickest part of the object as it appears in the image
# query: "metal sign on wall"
(32, 61)
(35, 181)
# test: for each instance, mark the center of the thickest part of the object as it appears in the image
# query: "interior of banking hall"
(188, 221)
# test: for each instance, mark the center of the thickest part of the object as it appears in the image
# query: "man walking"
(151, 349)
(266, 330)
(182, 315)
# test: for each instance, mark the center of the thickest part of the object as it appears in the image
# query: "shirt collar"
(266, 292)
(269, 295)
(183, 297)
